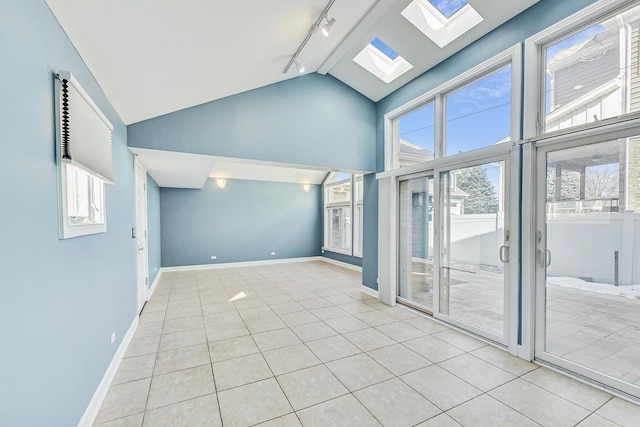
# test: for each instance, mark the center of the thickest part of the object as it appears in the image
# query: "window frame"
(358, 230)
(511, 56)
(355, 202)
(68, 230)
(534, 112)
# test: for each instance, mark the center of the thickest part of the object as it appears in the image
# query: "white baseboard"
(341, 264)
(241, 264)
(152, 289)
(367, 290)
(93, 408)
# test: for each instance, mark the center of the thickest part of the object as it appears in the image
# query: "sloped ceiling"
(155, 57)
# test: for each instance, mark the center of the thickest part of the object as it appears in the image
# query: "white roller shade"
(84, 132)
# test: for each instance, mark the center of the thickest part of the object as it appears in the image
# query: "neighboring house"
(595, 80)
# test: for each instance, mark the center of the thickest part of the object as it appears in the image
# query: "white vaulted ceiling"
(153, 57)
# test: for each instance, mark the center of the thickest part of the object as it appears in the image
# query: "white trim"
(387, 240)
(432, 22)
(90, 414)
(367, 290)
(342, 264)
(528, 248)
(240, 264)
(449, 161)
(153, 286)
(380, 65)
(140, 173)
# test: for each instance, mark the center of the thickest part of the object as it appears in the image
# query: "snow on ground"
(632, 292)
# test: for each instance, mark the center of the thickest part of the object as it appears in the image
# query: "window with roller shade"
(84, 159)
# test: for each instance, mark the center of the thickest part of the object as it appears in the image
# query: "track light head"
(299, 64)
(328, 27)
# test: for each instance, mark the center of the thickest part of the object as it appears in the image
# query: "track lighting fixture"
(299, 64)
(328, 27)
(325, 30)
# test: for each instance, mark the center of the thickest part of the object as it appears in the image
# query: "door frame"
(510, 155)
(142, 277)
(537, 305)
(389, 198)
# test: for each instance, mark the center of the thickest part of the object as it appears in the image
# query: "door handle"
(543, 258)
(504, 253)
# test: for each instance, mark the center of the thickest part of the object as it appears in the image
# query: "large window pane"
(479, 115)
(472, 281)
(416, 235)
(340, 228)
(84, 197)
(417, 136)
(590, 73)
(592, 257)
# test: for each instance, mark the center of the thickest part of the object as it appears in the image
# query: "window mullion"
(440, 127)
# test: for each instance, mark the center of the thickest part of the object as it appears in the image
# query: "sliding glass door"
(416, 243)
(474, 250)
(588, 260)
(453, 244)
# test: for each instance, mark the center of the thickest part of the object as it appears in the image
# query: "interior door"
(587, 260)
(141, 234)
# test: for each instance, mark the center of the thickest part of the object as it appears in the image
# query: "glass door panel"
(415, 283)
(588, 261)
(474, 237)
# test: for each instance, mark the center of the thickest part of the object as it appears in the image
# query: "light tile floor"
(299, 344)
(595, 330)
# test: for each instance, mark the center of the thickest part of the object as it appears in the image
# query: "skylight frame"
(427, 18)
(380, 64)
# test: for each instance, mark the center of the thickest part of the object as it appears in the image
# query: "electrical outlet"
(273, 253)
(213, 257)
(113, 337)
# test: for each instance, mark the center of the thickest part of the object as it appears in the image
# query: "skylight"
(382, 61)
(443, 21)
(448, 7)
(382, 47)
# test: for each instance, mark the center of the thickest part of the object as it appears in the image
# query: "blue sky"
(448, 7)
(478, 115)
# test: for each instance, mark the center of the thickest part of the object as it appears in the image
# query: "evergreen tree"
(569, 185)
(482, 196)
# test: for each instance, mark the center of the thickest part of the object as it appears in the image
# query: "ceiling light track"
(324, 29)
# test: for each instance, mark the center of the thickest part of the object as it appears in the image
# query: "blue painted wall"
(59, 299)
(245, 221)
(538, 17)
(353, 260)
(153, 229)
(302, 121)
